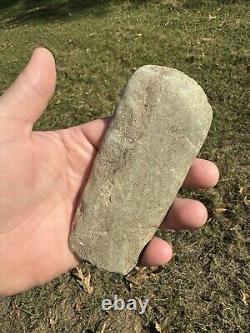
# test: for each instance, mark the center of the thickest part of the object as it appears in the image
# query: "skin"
(42, 175)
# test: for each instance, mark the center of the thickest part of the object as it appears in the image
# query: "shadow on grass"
(17, 12)
(197, 4)
(13, 12)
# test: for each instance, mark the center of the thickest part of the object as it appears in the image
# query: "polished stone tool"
(159, 126)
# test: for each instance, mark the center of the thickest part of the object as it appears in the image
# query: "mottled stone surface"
(160, 124)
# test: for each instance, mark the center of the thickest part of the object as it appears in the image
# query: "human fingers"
(202, 174)
(185, 214)
(28, 96)
(157, 252)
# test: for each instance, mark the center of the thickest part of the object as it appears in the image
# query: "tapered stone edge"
(74, 241)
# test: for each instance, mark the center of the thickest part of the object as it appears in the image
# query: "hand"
(42, 175)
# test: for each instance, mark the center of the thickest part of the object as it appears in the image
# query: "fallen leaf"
(210, 17)
(158, 327)
(220, 210)
(242, 190)
(244, 298)
(84, 281)
(138, 277)
(77, 305)
(246, 201)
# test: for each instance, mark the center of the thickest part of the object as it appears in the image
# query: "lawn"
(97, 46)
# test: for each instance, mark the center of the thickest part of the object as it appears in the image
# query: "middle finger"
(185, 214)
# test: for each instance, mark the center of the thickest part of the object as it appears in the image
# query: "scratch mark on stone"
(191, 144)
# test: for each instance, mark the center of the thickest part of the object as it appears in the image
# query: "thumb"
(29, 95)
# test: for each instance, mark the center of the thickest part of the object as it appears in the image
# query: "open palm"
(42, 175)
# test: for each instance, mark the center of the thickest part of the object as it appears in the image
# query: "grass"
(97, 45)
